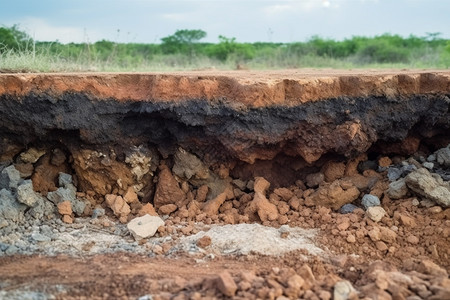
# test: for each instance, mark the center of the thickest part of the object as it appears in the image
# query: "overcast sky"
(146, 21)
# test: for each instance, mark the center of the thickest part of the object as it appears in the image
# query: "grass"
(44, 61)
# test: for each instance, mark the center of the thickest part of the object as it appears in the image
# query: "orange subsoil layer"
(251, 88)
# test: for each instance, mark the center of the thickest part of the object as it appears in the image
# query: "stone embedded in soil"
(375, 213)
(261, 185)
(265, 210)
(144, 227)
(314, 179)
(46, 175)
(211, 207)
(443, 156)
(65, 208)
(369, 201)
(31, 155)
(348, 208)
(430, 186)
(118, 205)
(168, 190)
(10, 209)
(204, 241)
(67, 219)
(334, 195)
(333, 170)
(167, 209)
(9, 178)
(147, 209)
(225, 284)
(343, 290)
(387, 235)
(187, 166)
(26, 194)
(397, 189)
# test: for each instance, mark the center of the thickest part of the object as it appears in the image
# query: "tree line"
(383, 49)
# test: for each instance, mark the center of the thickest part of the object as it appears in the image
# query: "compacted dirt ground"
(125, 200)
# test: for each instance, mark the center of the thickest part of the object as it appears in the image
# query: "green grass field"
(184, 51)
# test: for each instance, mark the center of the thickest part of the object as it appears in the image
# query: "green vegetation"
(184, 51)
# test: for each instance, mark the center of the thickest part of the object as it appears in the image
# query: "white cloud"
(41, 30)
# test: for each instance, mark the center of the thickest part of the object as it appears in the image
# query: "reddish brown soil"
(250, 88)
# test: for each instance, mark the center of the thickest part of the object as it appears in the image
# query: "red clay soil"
(249, 88)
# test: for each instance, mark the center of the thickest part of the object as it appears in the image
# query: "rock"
(428, 267)
(101, 172)
(167, 209)
(26, 194)
(142, 160)
(407, 220)
(431, 158)
(343, 290)
(261, 185)
(370, 201)
(130, 196)
(67, 193)
(10, 209)
(147, 209)
(431, 187)
(428, 165)
(367, 165)
(65, 208)
(348, 208)
(211, 207)
(387, 235)
(375, 213)
(443, 156)
(334, 195)
(412, 239)
(9, 178)
(333, 170)
(40, 237)
(284, 193)
(118, 205)
(315, 179)
(384, 162)
(187, 166)
(397, 189)
(31, 156)
(67, 219)
(98, 212)
(202, 192)
(374, 234)
(239, 184)
(204, 241)
(265, 210)
(25, 170)
(65, 180)
(394, 173)
(144, 227)
(168, 190)
(225, 284)
(42, 208)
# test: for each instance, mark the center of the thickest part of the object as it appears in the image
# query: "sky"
(147, 21)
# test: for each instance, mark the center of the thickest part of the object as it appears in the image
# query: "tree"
(228, 47)
(182, 41)
(13, 38)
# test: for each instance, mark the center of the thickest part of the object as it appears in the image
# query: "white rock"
(144, 227)
(375, 213)
(343, 290)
